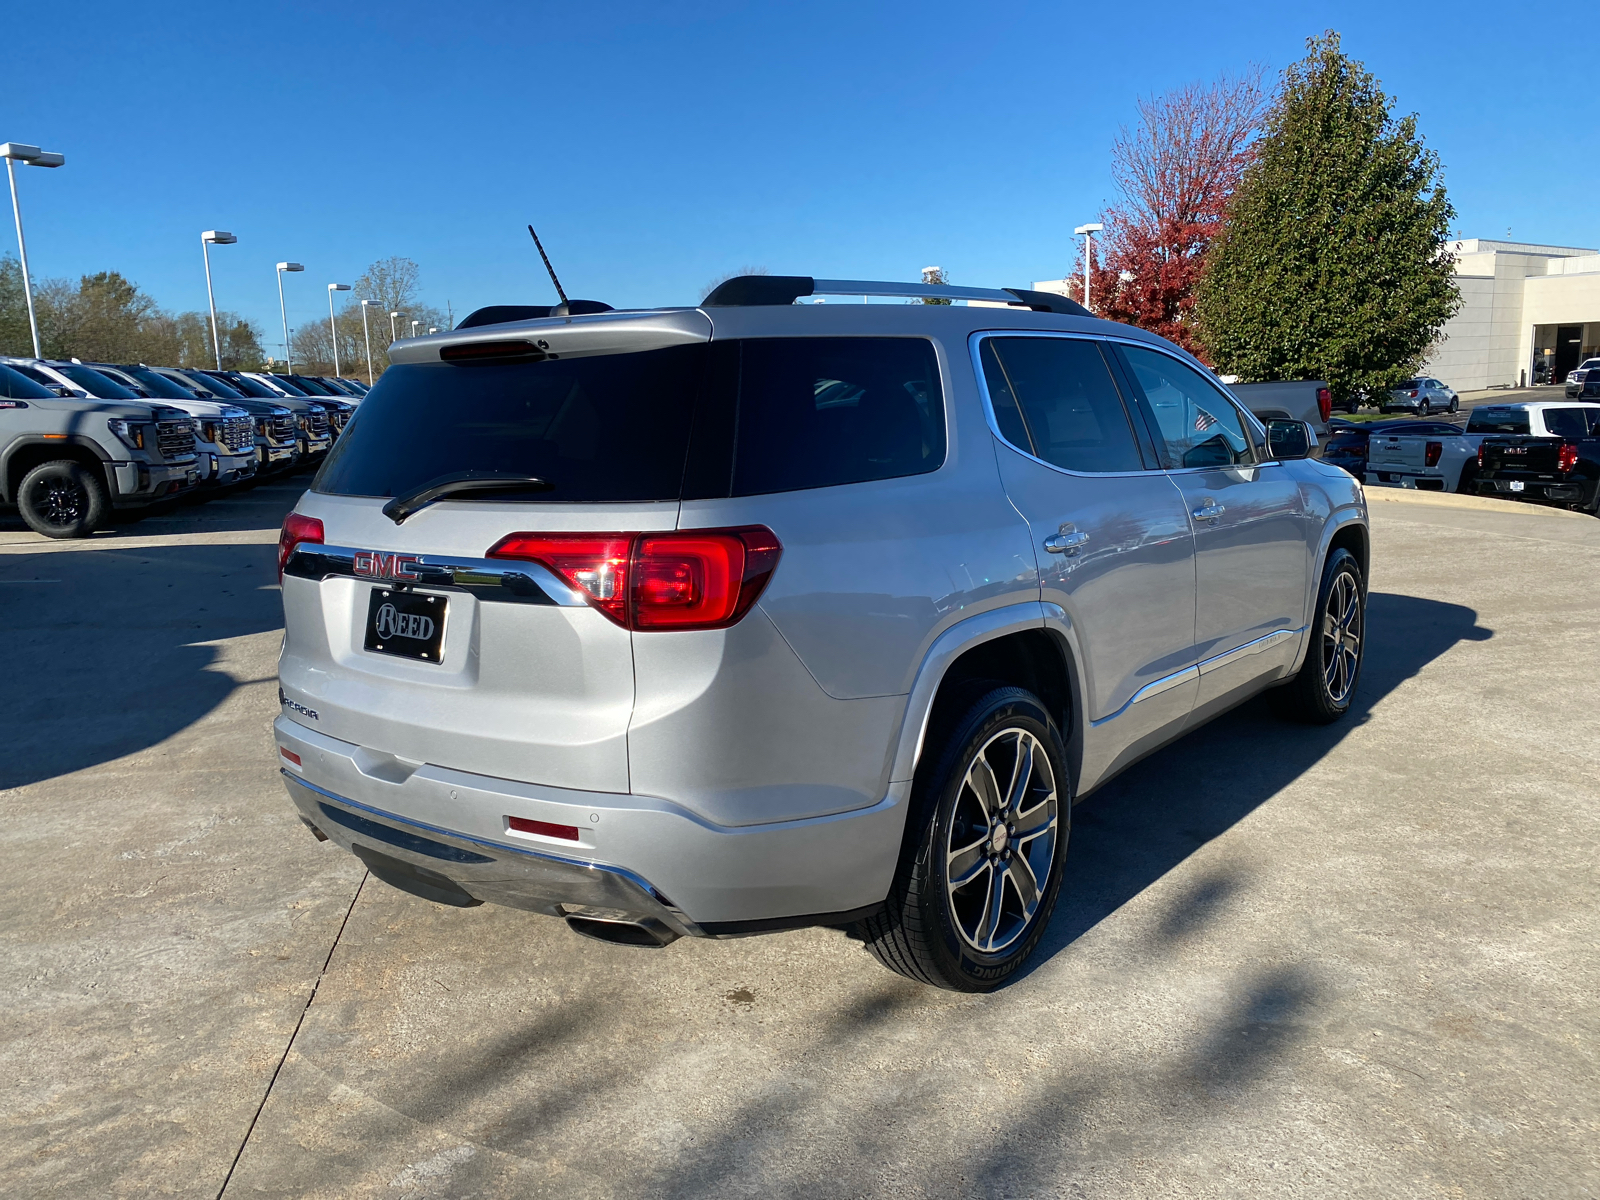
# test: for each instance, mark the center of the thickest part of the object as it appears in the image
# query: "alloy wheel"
(1002, 841)
(1341, 637)
(60, 501)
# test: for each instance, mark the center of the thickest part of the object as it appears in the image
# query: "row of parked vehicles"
(1543, 451)
(82, 440)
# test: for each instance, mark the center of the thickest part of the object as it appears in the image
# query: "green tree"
(1331, 264)
(15, 337)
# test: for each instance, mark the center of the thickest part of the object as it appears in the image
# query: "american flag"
(1203, 420)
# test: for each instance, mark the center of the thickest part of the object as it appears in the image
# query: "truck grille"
(337, 419)
(238, 433)
(317, 422)
(279, 428)
(175, 439)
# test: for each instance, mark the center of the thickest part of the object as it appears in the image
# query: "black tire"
(62, 499)
(1423, 410)
(1323, 687)
(943, 935)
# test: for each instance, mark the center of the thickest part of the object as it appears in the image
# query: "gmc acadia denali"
(763, 614)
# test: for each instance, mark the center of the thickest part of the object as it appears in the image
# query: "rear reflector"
(290, 755)
(544, 828)
(685, 579)
(467, 351)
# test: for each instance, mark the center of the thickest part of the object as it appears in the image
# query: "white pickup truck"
(1445, 459)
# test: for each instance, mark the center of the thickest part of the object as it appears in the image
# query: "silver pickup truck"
(1310, 401)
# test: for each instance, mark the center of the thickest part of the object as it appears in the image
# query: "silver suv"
(764, 614)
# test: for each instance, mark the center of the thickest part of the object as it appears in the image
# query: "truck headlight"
(131, 432)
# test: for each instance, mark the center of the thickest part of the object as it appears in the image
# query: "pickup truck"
(1310, 401)
(1445, 459)
(1561, 468)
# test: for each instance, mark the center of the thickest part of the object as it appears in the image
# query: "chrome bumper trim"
(514, 876)
(507, 581)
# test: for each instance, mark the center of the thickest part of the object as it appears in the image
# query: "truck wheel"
(982, 862)
(62, 500)
(1321, 691)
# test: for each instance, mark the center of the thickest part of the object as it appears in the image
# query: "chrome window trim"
(975, 341)
(500, 580)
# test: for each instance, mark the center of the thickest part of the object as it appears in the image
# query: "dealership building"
(1529, 314)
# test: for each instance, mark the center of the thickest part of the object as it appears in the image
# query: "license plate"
(406, 624)
(1515, 485)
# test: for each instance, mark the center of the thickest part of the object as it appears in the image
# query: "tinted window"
(1498, 420)
(96, 384)
(1346, 439)
(1569, 422)
(609, 427)
(157, 384)
(1200, 426)
(1054, 398)
(246, 385)
(16, 386)
(215, 386)
(814, 412)
(290, 386)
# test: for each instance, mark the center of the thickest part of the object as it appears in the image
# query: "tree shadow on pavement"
(106, 650)
(1150, 818)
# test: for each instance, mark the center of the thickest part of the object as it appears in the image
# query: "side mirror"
(1289, 439)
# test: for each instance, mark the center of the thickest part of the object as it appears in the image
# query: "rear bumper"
(1575, 492)
(634, 855)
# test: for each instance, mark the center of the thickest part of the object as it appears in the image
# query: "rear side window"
(16, 386)
(1498, 420)
(1569, 422)
(1055, 399)
(816, 412)
(1346, 440)
(607, 427)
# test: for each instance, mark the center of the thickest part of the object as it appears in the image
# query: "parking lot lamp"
(414, 325)
(394, 334)
(13, 153)
(283, 313)
(214, 237)
(333, 330)
(367, 333)
(1087, 232)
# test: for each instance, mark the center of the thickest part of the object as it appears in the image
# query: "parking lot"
(1345, 961)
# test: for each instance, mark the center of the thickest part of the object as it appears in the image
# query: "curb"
(1398, 495)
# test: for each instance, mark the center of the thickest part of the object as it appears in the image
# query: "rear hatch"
(1404, 452)
(408, 638)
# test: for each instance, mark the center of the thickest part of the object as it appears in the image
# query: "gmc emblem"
(373, 564)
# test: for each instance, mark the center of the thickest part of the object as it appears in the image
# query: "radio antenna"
(547, 265)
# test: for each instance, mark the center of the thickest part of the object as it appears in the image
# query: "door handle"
(1209, 510)
(1066, 543)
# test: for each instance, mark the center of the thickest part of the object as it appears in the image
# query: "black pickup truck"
(1563, 469)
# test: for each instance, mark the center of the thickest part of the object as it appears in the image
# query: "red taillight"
(1325, 403)
(1567, 457)
(1480, 454)
(686, 579)
(543, 828)
(1412, 393)
(1431, 453)
(296, 529)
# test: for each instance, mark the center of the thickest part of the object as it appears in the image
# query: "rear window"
(1498, 420)
(1347, 439)
(1569, 422)
(766, 415)
(609, 427)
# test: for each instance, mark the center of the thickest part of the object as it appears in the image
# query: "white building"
(1528, 314)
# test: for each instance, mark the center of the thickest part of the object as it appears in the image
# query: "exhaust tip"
(631, 931)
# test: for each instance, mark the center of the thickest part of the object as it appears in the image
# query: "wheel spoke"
(989, 924)
(1022, 879)
(980, 778)
(1037, 820)
(1021, 774)
(967, 864)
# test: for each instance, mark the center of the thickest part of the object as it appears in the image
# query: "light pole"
(13, 153)
(394, 334)
(208, 239)
(367, 333)
(333, 330)
(1088, 231)
(288, 352)
(414, 325)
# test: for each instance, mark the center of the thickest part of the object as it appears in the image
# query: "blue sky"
(656, 146)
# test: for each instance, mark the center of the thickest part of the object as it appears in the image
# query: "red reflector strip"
(290, 755)
(544, 828)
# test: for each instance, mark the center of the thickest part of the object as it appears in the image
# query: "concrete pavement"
(1353, 961)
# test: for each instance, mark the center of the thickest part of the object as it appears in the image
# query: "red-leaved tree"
(1175, 172)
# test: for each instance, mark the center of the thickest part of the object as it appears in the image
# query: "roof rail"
(751, 290)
